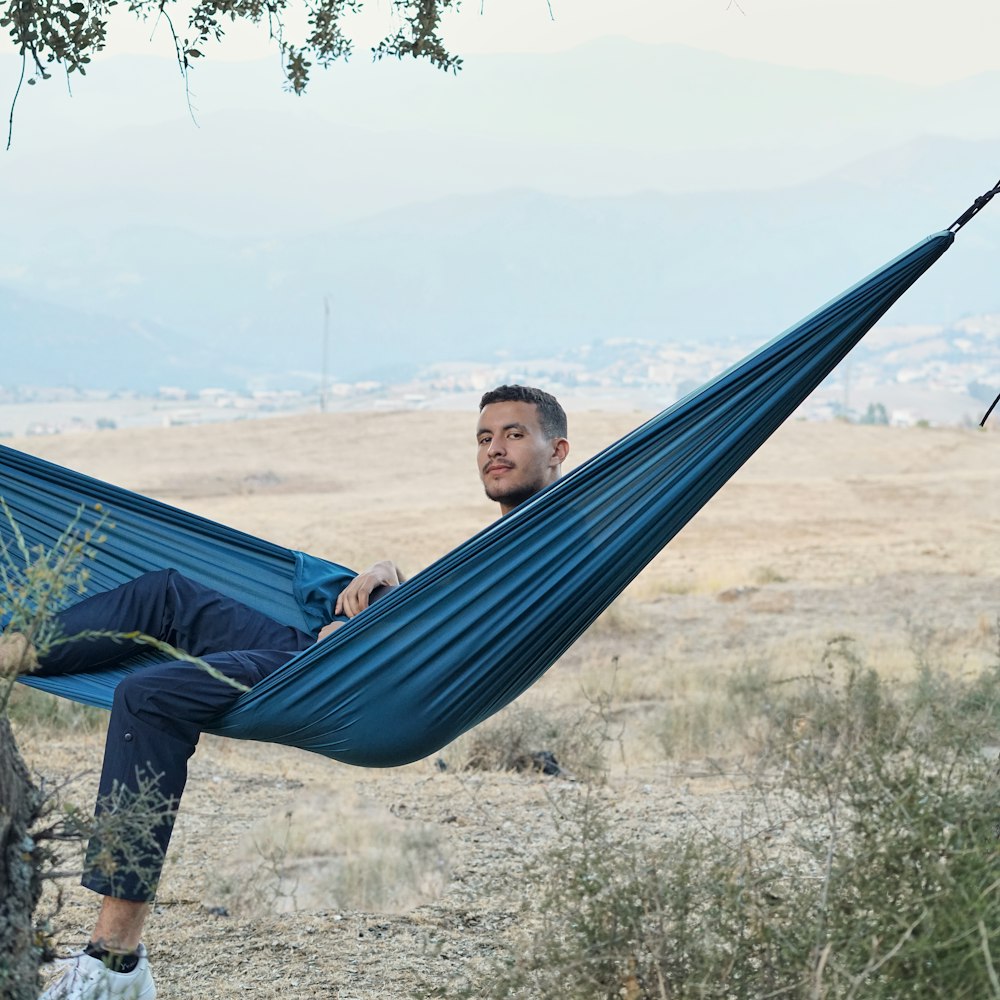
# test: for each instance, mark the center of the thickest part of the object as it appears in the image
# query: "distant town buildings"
(899, 375)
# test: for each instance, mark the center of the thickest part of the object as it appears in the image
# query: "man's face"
(516, 458)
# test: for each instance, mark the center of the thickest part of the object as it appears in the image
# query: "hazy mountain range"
(531, 204)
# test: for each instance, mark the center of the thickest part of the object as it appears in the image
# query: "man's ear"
(560, 449)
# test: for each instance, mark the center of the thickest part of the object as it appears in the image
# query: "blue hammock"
(428, 661)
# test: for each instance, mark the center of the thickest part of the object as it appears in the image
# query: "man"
(160, 711)
(521, 443)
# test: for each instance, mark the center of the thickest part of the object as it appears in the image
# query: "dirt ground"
(887, 536)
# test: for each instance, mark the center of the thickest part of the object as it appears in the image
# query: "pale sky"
(166, 203)
(913, 40)
(919, 41)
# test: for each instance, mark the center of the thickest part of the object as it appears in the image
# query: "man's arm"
(356, 596)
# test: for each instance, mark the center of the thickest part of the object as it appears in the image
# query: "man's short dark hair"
(551, 415)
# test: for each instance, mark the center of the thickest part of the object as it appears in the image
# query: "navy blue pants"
(159, 712)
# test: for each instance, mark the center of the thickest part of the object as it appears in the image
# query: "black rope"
(982, 423)
(975, 208)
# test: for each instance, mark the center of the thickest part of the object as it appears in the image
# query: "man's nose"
(496, 448)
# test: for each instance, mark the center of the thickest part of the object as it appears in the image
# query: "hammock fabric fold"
(467, 635)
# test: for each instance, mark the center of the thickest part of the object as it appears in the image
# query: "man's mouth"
(498, 468)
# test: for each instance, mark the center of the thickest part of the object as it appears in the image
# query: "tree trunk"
(20, 882)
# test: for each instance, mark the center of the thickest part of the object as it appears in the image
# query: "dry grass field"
(294, 877)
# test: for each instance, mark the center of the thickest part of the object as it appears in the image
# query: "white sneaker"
(88, 978)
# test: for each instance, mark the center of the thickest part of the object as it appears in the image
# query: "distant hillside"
(531, 204)
(53, 345)
(516, 271)
(609, 118)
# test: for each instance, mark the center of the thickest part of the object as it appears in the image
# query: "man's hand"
(328, 630)
(356, 596)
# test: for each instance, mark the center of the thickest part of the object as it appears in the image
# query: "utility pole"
(326, 354)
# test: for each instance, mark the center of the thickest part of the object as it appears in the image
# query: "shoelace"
(71, 974)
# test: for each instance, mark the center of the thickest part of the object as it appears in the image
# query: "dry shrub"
(866, 867)
(338, 853)
(710, 723)
(764, 575)
(30, 709)
(623, 620)
(573, 743)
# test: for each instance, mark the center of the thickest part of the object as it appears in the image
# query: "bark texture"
(20, 881)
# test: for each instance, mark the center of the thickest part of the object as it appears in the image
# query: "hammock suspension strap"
(974, 209)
